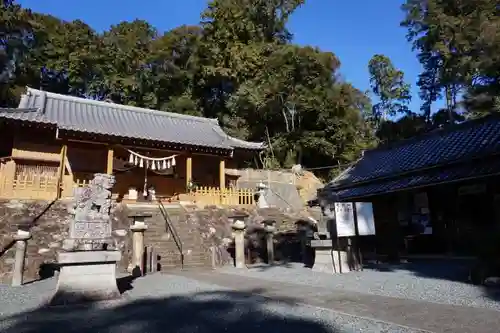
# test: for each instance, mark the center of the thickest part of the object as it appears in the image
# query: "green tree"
(238, 65)
(310, 117)
(458, 45)
(15, 41)
(236, 38)
(127, 47)
(174, 63)
(65, 56)
(389, 87)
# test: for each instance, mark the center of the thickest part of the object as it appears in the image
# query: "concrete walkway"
(426, 316)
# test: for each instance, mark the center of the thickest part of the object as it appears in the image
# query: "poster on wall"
(365, 219)
(344, 218)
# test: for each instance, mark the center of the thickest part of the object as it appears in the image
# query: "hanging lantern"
(131, 159)
(164, 166)
(173, 161)
(168, 164)
(141, 163)
(153, 166)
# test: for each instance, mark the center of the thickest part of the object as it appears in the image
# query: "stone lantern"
(239, 227)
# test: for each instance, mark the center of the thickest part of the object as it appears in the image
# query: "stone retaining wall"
(214, 227)
(200, 231)
(49, 225)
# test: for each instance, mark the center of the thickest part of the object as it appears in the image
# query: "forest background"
(240, 65)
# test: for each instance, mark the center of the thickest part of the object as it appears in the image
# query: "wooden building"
(434, 194)
(53, 143)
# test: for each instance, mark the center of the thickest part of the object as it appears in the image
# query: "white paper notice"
(364, 216)
(344, 218)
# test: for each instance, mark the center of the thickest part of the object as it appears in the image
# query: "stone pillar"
(261, 191)
(138, 230)
(239, 243)
(270, 242)
(21, 239)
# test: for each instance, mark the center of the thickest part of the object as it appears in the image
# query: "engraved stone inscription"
(91, 222)
(91, 230)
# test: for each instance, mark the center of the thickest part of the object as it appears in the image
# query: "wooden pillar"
(62, 168)
(189, 170)
(222, 174)
(109, 167)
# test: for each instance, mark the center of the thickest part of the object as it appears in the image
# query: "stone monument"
(88, 260)
(330, 256)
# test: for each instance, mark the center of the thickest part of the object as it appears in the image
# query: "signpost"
(354, 220)
(344, 219)
(365, 219)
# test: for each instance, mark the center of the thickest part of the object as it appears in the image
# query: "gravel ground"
(163, 303)
(400, 281)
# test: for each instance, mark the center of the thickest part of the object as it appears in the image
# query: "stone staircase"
(195, 251)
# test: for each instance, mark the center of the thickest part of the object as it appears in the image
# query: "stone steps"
(196, 255)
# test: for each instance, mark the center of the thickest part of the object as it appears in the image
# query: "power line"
(326, 167)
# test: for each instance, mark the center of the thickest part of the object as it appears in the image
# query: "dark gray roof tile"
(85, 115)
(442, 147)
(455, 173)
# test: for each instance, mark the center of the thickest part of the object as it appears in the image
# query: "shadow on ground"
(265, 267)
(442, 269)
(216, 311)
(437, 269)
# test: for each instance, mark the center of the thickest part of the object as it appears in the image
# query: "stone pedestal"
(328, 260)
(88, 266)
(270, 243)
(138, 230)
(21, 239)
(86, 276)
(239, 243)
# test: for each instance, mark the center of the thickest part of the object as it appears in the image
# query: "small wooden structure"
(54, 143)
(434, 194)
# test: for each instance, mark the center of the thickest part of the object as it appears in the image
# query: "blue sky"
(354, 30)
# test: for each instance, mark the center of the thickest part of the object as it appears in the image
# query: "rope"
(151, 158)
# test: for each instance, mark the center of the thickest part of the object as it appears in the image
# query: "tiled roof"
(439, 148)
(90, 116)
(471, 170)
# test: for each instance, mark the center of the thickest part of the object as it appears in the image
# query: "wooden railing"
(17, 184)
(23, 187)
(224, 197)
(20, 183)
(36, 186)
(69, 184)
(81, 183)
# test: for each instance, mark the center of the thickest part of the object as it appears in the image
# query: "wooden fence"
(23, 187)
(69, 184)
(224, 197)
(33, 182)
(43, 184)
(27, 182)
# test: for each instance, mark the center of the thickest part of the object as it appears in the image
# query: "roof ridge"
(220, 131)
(130, 108)
(435, 132)
(19, 110)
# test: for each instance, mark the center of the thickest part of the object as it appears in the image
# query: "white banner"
(365, 219)
(344, 219)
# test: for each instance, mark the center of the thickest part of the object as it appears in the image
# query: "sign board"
(365, 219)
(88, 229)
(344, 219)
